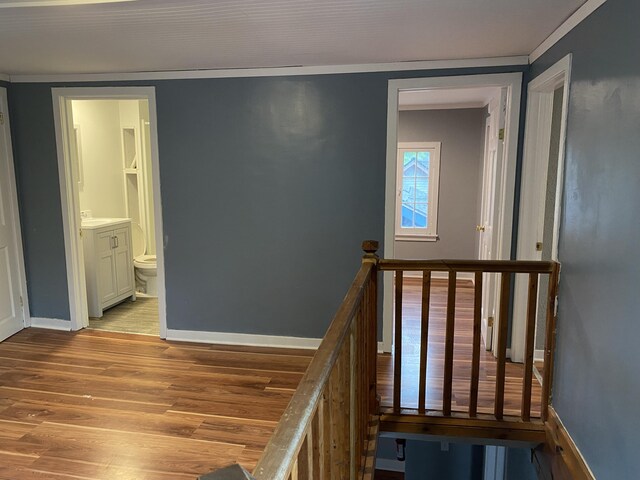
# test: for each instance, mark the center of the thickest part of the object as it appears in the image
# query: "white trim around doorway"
(534, 176)
(507, 175)
(70, 199)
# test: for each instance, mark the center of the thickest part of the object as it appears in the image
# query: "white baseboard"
(242, 339)
(389, 465)
(538, 355)
(51, 323)
(442, 275)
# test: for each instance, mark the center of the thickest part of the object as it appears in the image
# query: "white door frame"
(506, 176)
(69, 195)
(534, 179)
(14, 210)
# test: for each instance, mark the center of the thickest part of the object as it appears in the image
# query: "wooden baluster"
(424, 339)
(359, 344)
(326, 425)
(505, 289)
(397, 361)
(475, 356)
(305, 461)
(316, 439)
(370, 248)
(529, 346)
(448, 345)
(549, 341)
(353, 425)
(372, 328)
(340, 424)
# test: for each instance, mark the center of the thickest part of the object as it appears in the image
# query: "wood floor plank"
(95, 404)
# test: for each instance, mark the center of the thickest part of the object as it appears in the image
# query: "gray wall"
(596, 382)
(427, 460)
(461, 133)
(268, 187)
(519, 465)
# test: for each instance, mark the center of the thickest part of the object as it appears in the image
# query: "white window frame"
(430, 233)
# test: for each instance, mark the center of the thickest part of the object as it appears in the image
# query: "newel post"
(370, 247)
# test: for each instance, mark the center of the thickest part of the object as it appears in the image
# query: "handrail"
(325, 430)
(486, 266)
(346, 355)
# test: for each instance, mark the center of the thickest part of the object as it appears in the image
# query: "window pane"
(422, 189)
(420, 215)
(409, 158)
(422, 169)
(408, 190)
(409, 164)
(407, 216)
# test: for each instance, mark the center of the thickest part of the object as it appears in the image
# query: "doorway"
(14, 307)
(506, 89)
(109, 179)
(541, 193)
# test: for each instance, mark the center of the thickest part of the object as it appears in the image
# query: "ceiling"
(159, 35)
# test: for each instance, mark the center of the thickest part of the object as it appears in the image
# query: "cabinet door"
(123, 261)
(106, 270)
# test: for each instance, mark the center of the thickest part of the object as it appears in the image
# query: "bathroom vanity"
(108, 262)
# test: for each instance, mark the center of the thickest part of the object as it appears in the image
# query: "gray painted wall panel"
(268, 187)
(596, 383)
(461, 134)
(36, 166)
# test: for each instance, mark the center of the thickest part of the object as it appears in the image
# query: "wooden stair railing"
(506, 269)
(330, 426)
(327, 427)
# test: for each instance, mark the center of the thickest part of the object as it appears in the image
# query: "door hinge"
(1, 118)
(538, 246)
(80, 230)
(490, 321)
(21, 301)
(501, 134)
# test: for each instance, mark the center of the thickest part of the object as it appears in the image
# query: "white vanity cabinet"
(108, 262)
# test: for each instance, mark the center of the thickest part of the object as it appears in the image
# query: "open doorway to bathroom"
(107, 146)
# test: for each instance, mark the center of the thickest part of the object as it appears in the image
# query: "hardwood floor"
(435, 358)
(103, 405)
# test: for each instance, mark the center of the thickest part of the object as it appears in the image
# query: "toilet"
(145, 266)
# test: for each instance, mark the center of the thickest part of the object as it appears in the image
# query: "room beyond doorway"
(495, 97)
(109, 178)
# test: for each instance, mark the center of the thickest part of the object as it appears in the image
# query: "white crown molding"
(578, 16)
(275, 71)
(226, 338)
(51, 323)
(4, 77)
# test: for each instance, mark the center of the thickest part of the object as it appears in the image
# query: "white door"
(488, 213)
(11, 309)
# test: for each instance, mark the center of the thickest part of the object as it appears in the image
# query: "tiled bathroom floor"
(140, 316)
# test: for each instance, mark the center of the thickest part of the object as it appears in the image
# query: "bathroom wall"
(140, 188)
(101, 188)
(145, 139)
(461, 132)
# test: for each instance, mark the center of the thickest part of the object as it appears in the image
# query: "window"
(417, 185)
